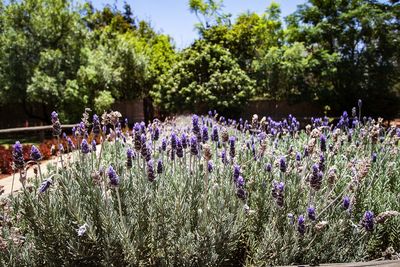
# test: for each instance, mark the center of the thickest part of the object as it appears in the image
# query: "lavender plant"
(244, 196)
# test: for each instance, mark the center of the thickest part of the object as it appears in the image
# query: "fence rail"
(32, 129)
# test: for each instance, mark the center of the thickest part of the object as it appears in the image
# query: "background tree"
(208, 75)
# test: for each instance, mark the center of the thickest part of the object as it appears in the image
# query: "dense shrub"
(225, 193)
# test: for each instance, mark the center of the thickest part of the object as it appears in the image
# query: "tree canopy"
(59, 55)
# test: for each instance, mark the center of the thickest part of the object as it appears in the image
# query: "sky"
(174, 18)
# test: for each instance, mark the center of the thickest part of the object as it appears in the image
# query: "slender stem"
(119, 207)
(12, 185)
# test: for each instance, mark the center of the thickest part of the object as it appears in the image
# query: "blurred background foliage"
(64, 56)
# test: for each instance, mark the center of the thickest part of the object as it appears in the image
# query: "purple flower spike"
(35, 153)
(298, 156)
(173, 141)
(311, 213)
(160, 166)
(204, 135)
(236, 172)
(112, 175)
(164, 144)
(223, 157)
(323, 142)
(193, 146)
(70, 143)
(374, 155)
(268, 167)
(210, 166)
(240, 182)
(184, 141)
(56, 124)
(214, 135)
(94, 144)
(301, 227)
(232, 146)
(179, 148)
(156, 134)
(346, 202)
(54, 117)
(359, 103)
(282, 164)
(45, 185)
(368, 221)
(129, 158)
(85, 147)
(150, 171)
(96, 125)
(17, 155)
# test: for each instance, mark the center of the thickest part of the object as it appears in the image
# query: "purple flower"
(321, 162)
(368, 221)
(204, 134)
(45, 185)
(54, 117)
(129, 157)
(150, 171)
(282, 164)
(184, 141)
(316, 177)
(214, 135)
(35, 153)
(156, 134)
(18, 156)
(278, 193)
(85, 147)
(173, 141)
(96, 125)
(236, 172)
(346, 202)
(268, 167)
(160, 166)
(374, 155)
(164, 144)
(232, 147)
(210, 166)
(56, 124)
(223, 157)
(323, 142)
(143, 127)
(298, 156)
(241, 193)
(146, 151)
(112, 175)
(301, 227)
(179, 148)
(196, 128)
(305, 152)
(240, 182)
(193, 146)
(311, 213)
(70, 143)
(94, 144)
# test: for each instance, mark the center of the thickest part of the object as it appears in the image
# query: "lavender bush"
(206, 191)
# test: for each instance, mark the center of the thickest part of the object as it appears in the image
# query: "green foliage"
(363, 36)
(103, 101)
(205, 75)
